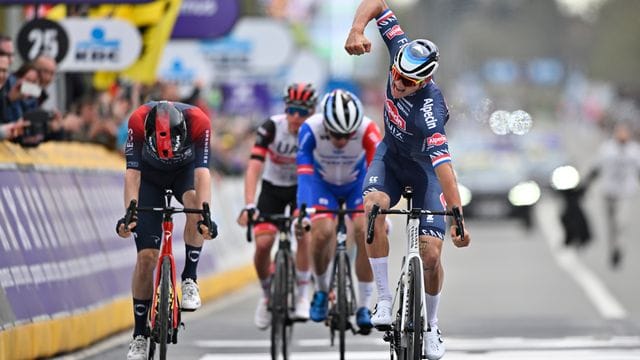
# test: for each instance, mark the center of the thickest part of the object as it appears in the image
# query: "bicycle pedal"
(187, 310)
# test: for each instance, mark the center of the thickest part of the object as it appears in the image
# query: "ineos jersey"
(414, 124)
(196, 149)
(277, 147)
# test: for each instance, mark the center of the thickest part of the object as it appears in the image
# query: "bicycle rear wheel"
(163, 315)
(413, 320)
(280, 325)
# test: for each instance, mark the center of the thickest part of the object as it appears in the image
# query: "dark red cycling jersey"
(196, 149)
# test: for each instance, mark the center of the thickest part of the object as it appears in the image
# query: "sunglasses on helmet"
(406, 81)
(292, 110)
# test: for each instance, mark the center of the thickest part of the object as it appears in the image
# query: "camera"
(37, 131)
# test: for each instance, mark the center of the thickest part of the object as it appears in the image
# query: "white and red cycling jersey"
(277, 147)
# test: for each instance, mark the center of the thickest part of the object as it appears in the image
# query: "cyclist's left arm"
(201, 137)
(304, 161)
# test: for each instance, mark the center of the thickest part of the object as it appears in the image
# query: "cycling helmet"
(417, 59)
(301, 94)
(342, 112)
(165, 129)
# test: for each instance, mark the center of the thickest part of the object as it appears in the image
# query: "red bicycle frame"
(166, 251)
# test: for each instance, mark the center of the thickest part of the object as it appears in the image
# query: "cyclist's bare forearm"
(367, 11)
(202, 184)
(449, 184)
(131, 186)
(251, 178)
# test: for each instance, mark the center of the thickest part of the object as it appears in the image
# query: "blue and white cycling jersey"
(414, 125)
(339, 169)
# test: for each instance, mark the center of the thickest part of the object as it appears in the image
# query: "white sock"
(365, 291)
(265, 284)
(379, 267)
(322, 280)
(303, 278)
(432, 309)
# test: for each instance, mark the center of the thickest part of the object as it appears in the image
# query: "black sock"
(191, 262)
(140, 313)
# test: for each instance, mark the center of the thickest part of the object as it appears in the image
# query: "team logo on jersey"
(435, 140)
(427, 111)
(393, 32)
(394, 116)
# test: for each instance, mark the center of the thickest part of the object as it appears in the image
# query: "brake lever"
(371, 225)
(457, 215)
(131, 213)
(250, 213)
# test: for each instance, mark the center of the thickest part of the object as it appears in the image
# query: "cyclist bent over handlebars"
(167, 148)
(414, 152)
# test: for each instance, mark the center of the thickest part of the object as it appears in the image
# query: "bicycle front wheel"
(163, 315)
(280, 325)
(343, 301)
(414, 321)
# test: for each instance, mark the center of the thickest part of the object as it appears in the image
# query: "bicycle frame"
(283, 289)
(166, 253)
(412, 255)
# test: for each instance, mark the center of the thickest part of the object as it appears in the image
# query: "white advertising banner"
(100, 44)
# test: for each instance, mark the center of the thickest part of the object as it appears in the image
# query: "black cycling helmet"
(301, 94)
(165, 129)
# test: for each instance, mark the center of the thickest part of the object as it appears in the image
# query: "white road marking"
(599, 295)
(457, 344)
(450, 355)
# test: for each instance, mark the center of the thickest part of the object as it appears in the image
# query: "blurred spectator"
(12, 130)
(618, 167)
(6, 48)
(4, 90)
(46, 67)
(23, 90)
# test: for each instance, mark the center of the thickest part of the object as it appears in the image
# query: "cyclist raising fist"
(414, 152)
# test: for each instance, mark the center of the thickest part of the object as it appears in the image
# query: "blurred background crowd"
(568, 64)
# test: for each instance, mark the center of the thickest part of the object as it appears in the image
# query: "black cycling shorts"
(153, 183)
(274, 199)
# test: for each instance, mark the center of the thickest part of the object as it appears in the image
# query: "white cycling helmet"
(417, 59)
(342, 112)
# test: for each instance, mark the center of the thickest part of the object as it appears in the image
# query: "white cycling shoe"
(303, 305)
(190, 295)
(137, 348)
(262, 317)
(434, 343)
(381, 317)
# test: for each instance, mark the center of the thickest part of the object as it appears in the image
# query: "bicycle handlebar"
(133, 208)
(375, 210)
(281, 220)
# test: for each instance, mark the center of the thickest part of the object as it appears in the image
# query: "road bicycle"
(341, 291)
(406, 333)
(283, 290)
(164, 315)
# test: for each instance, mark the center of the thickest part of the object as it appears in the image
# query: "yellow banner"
(155, 21)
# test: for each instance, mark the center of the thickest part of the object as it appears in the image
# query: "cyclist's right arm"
(264, 137)
(357, 43)
(133, 154)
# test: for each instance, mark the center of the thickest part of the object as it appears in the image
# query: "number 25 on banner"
(42, 36)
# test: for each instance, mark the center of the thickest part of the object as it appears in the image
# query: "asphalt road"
(512, 295)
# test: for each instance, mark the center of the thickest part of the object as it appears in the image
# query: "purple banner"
(205, 19)
(246, 98)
